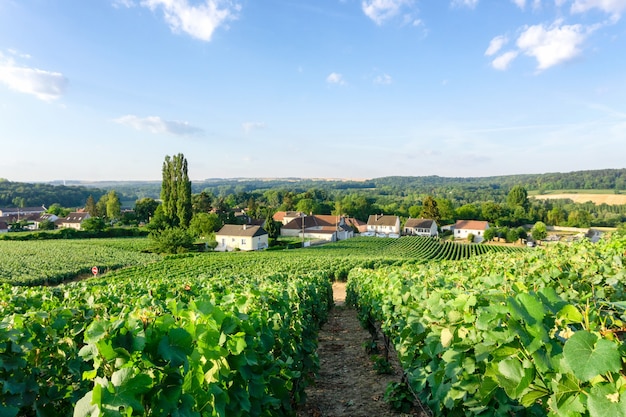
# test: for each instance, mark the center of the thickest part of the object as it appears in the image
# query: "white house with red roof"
(463, 228)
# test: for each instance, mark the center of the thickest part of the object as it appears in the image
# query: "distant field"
(611, 199)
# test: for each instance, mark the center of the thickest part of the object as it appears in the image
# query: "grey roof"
(76, 217)
(419, 223)
(381, 220)
(241, 230)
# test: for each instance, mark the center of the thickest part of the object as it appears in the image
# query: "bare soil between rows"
(347, 384)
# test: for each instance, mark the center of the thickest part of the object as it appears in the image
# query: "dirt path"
(347, 384)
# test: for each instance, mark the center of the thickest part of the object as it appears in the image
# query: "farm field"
(235, 334)
(54, 261)
(537, 333)
(609, 198)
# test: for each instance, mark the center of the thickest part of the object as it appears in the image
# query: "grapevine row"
(538, 333)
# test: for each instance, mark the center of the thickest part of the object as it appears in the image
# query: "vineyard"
(54, 261)
(533, 334)
(215, 334)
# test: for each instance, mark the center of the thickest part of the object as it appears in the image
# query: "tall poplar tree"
(176, 191)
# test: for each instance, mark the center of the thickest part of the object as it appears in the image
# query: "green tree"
(307, 206)
(113, 206)
(415, 211)
(579, 218)
(46, 225)
(171, 240)
(489, 234)
(446, 210)
(430, 210)
(145, 208)
(512, 235)
(517, 197)
(90, 206)
(490, 211)
(176, 191)
(468, 212)
(93, 224)
(101, 206)
(272, 227)
(201, 203)
(203, 224)
(539, 231)
(57, 210)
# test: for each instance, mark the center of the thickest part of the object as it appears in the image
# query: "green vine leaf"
(589, 356)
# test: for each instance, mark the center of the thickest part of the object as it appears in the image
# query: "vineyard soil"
(347, 384)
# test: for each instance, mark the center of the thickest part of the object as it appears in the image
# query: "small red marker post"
(94, 271)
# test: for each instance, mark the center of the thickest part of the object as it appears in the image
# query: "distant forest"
(459, 190)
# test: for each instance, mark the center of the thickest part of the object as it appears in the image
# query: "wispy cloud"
(536, 3)
(123, 3)
(384, 79)
(382, 10)
(465, 3)
(45, 85)
(155, 124)
(552, 45)
(198, 21)
(335, 78)
(250, 126)
(503, 61)
(613, 7)
(496, 44)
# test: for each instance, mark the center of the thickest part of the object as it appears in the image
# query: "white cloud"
(155, 124)
(45, 85)
(503, 61)
(536, 3)
(384, 79)
(335, 78)
(552, 45)
(250, 126)
(465, 3)
(197, 21)
(496, 44)
(123, 3)
(381, 10)
(613, 7)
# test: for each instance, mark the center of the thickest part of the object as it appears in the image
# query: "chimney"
(245, 226)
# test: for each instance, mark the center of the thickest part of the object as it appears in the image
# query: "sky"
(105, 89)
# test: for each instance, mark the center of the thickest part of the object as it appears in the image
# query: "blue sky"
(104, 89)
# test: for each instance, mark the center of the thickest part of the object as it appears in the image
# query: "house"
(242, 237)
(323, 227)
(463, 228)
(44, 217)
(356, 224)
(285, 217)
(73, 220)
(4, 226)
(420, 227)
(383, 225)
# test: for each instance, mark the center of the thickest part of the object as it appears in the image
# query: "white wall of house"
(245, 243)
(384, 229)
(463, 233)
(414, 231)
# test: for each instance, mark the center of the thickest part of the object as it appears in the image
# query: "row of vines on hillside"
(536, 333)
(219, 345)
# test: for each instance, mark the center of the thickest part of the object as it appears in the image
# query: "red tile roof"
(471, 225)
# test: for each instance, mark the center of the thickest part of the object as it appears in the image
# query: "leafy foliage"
(536, 333)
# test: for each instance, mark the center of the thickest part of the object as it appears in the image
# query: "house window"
(243, 241)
